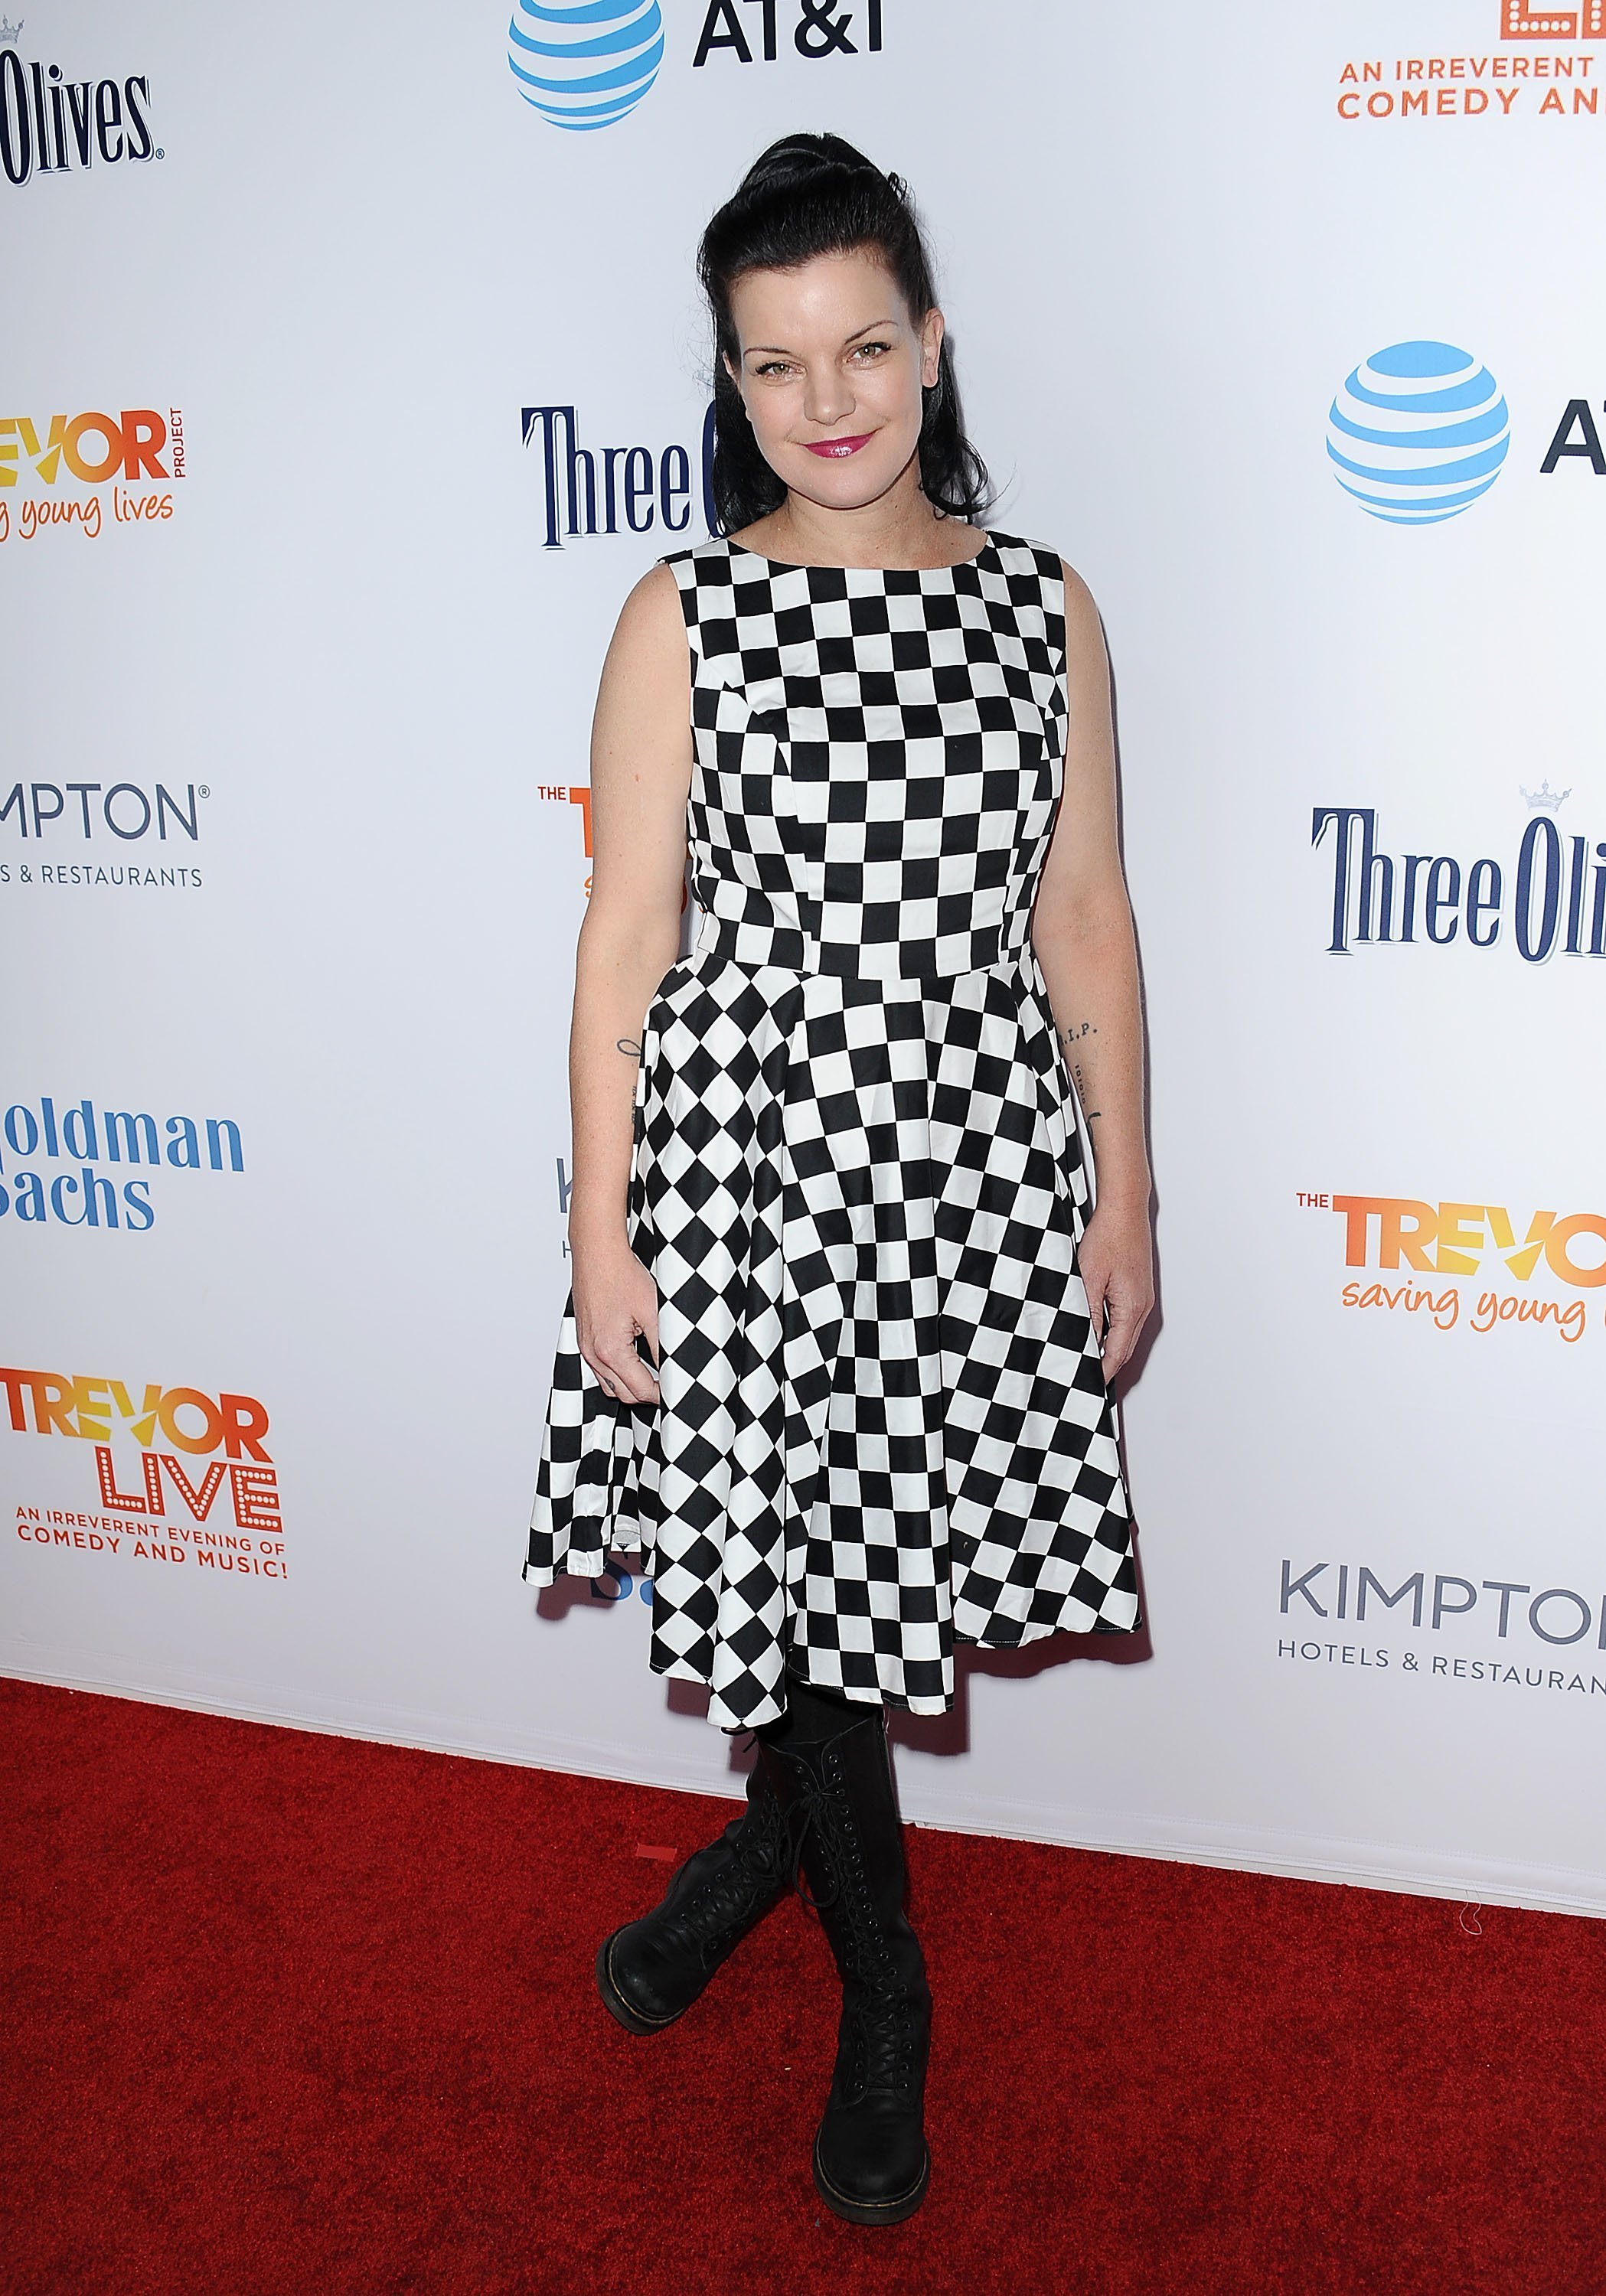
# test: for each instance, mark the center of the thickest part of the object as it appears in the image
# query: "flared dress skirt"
(883, 1427)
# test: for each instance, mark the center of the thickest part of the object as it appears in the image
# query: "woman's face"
(832, 368)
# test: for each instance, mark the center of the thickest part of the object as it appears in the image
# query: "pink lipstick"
(838, 449)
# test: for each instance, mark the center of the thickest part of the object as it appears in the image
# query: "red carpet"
(295, 2014)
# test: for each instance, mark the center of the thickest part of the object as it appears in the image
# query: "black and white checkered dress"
(884, 1427)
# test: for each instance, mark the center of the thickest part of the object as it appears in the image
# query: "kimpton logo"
(87, 810)
(1418, 432)
(1432, 1599)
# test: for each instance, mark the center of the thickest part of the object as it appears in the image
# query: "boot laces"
(813, 1812)
(879, 2010)
(726, 1899)
(883, 2041)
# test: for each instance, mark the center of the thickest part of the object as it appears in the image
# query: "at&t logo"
(1418, 432)
(587, 63)
(822, 28)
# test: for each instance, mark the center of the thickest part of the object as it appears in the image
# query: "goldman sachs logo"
(590, 490)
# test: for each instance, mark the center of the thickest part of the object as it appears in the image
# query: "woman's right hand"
(615, 1304)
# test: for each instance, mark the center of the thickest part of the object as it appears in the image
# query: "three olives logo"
(1418, 432)
(50, 123)
(585, 64)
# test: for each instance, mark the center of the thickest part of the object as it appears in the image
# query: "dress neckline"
(989, 549)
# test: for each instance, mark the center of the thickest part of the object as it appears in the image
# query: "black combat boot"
(650, 1971)
(829, 1764)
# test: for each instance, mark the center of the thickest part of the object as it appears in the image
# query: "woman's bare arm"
(1082, 931)
(640, 776)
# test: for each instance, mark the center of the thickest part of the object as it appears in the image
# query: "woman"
(841, 1331)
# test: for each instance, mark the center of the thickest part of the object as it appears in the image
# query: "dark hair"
(805, 196)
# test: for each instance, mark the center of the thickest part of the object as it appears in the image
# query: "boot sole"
(870, 2212)
(615, 2002)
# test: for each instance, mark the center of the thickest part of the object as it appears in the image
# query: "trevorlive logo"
(1545, 66)
(196, 1424)
(1521, 20)
(1454, 1239)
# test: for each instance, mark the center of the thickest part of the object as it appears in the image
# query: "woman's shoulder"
(1021, 555)
(1021, 549)
(700, 559)
(651, 620)
(703, 577)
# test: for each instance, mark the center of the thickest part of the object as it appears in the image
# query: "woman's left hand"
(1116, 1258)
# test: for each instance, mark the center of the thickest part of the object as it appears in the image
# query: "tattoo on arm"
(628, 1046)
(1073, 1036)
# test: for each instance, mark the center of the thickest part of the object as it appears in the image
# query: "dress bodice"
(878, 757)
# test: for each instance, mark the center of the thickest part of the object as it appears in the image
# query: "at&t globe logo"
(585, 64)
(1418, 432)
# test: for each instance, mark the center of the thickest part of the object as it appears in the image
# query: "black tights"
(813, 1715)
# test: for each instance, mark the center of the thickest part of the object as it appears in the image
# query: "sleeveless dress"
(883, 1427)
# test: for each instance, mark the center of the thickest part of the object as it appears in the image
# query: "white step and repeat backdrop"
(352, 371)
